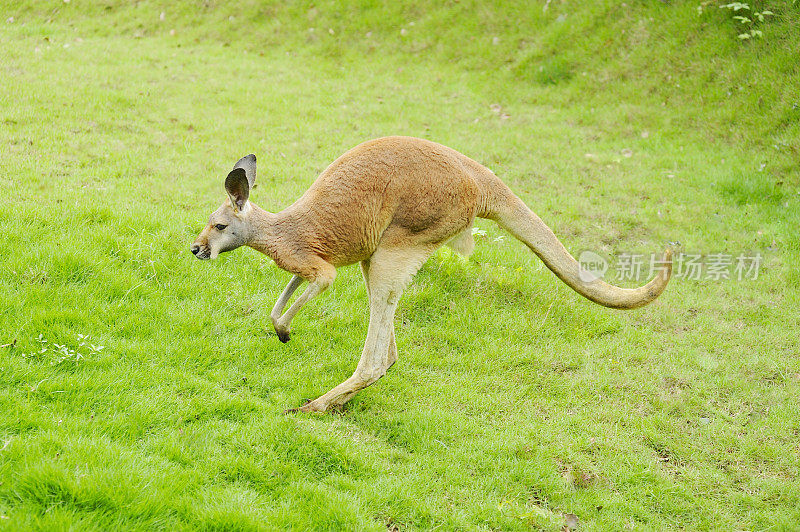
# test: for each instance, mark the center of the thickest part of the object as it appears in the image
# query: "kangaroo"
(388, 204)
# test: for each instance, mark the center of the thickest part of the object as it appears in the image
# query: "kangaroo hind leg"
(392, 343)
(463, 242)
(389, 272)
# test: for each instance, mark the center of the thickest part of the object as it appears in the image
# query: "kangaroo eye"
(220, 227)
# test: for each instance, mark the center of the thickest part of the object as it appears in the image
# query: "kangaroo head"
(228, 227)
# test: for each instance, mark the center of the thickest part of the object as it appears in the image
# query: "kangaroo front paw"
(283, 335)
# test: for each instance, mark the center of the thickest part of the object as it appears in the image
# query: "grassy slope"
(514, 400)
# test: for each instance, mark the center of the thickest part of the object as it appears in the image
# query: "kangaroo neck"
(265, 234)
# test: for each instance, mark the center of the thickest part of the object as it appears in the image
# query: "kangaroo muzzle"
(201, 252)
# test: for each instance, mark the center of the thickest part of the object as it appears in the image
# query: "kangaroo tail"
(501, 205)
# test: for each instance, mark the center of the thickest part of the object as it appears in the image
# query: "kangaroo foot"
(308, 407)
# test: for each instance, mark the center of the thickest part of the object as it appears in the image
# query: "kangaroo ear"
(238, 188)
(248, 163)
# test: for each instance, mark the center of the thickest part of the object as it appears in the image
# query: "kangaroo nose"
(195, 249)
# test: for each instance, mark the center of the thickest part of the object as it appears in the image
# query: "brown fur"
(387, 203)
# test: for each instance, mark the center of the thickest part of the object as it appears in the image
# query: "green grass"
(514, 401)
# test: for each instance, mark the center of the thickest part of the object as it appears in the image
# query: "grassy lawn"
(143, 389)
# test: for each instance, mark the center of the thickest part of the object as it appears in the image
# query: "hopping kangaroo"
(388, 204)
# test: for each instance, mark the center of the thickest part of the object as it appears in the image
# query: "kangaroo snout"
(201, 252)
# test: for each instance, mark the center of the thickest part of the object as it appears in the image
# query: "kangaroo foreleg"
(315, 288)
(280, 304)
